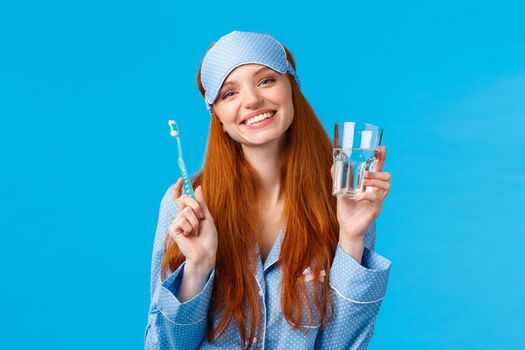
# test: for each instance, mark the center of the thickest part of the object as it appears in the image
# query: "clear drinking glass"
(355, 151)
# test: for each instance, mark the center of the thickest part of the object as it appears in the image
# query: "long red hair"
(230, 186)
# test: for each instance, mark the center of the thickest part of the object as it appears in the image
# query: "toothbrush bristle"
(173, 127)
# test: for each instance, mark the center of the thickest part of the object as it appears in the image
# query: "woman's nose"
(252, 99)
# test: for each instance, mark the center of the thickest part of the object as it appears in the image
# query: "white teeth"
(259, 117)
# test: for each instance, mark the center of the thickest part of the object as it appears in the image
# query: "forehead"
(245, 71)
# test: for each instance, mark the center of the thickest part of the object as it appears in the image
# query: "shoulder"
(168, 195)
(167, 203)
(167, 212)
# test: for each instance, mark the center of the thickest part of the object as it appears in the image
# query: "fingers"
(177, 189)
(177, 193)
(175, 228)
(183, 200)
(384, 176)
(185, 223)
(365, 196)
(184, 226)
(190, 216)
(191, 223)
(187, 201)
(385, 185)
(382, 153)
(199, 196)
(381, 156)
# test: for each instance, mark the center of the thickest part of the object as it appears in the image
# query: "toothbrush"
(187, 187)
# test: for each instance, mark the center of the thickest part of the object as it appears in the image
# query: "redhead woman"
(265, 257)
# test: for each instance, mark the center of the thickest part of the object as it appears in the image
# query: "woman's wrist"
(353, 246)
(193, 280)
(201, 268)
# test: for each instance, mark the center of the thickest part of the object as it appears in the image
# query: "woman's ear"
(220, 122)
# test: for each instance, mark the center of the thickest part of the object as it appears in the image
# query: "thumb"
(199, 197)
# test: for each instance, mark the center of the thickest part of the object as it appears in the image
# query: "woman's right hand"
(193, 229)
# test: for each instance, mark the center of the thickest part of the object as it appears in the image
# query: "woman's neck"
(267, 161)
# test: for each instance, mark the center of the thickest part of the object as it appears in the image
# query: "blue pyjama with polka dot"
(357, 291)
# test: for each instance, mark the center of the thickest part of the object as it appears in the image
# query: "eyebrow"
(230, 82)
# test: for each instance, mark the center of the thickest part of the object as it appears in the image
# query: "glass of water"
(355, 151)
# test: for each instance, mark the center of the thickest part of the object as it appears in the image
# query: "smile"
(259, 118)
(260, 121)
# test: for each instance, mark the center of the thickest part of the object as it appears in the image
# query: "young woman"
(265, 257)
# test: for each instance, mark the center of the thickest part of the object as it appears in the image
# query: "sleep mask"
(238, 48)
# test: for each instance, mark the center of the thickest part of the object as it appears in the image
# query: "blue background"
(86, 89)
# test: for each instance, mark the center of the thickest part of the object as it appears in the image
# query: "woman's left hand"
(356, 214)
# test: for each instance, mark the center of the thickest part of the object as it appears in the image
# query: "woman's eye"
(226, 95)
(268, 79)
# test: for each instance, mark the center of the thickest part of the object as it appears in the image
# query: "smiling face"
(255, 105)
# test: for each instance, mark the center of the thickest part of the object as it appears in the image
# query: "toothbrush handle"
(187, 187)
